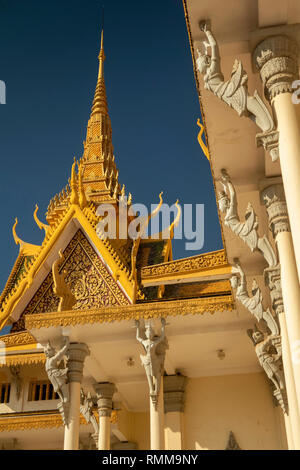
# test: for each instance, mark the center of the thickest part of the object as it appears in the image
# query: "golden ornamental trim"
(131, 312)
(15, 422)
(40, 420)
(22, 359)
(205, 261)
(18, 339)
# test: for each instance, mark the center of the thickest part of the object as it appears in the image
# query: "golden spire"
(99, 178)
(100, 100)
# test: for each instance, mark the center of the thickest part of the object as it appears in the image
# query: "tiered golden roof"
(94, 180)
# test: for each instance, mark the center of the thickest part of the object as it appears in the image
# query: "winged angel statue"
(233, 92)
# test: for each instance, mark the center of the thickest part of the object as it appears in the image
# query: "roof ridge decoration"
(40, 224)
(87, 220)
(27, 249)
(136, 244)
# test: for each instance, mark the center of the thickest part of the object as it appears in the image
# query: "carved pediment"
(89, 280)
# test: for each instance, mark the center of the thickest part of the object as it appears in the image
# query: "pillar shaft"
(76, 355)
(104, 433)
(277, 60)
(292, 420)
(291, 299)
(290, 294)
(157, 438)
(105, 392)
(289, 150)
(289, 432)
(72, 425)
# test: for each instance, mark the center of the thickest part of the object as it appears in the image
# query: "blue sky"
(48, 60)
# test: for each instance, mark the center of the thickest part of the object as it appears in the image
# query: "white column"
(276, 57)
(289, 315)
(292, 419)
(105, 392)
(76, 355)
(174, 398)
(157, 438)
(289, 432)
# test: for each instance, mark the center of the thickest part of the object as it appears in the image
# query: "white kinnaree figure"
(57, 373)
(254, 303)
(233, 92)
(270, 359)
(153, 361)
(269, 353)
(246, 230)
(86, 409)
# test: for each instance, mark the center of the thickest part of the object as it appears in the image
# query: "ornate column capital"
(105, 392)
(276, 58)
(174, 392)
(77, 353)
(274, 200)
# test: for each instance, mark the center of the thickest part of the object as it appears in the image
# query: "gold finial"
(100, 100)
(101, 57)
(136, 244)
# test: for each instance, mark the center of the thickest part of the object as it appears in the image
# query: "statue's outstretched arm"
(215, 54)
(138, 332)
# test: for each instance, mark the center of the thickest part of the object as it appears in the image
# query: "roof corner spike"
(74, 193)
(40, 224)
(27, 249)
(177, 219)
(18, 241)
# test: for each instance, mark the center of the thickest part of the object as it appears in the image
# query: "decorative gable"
(88, 277)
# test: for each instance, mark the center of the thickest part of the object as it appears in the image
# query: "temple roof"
(94, 180)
